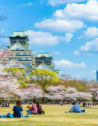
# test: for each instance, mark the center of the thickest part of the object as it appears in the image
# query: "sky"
(68, 29)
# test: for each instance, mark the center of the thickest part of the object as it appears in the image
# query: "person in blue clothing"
(17, 110)
(76, 108)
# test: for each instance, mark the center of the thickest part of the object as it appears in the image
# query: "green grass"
(54, 116)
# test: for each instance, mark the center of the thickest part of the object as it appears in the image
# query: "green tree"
(19, 74)
(45, 78)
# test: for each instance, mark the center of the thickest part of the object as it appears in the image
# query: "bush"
(3, 99)
(14, 100)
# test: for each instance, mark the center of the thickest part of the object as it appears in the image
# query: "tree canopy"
(45, 78)
(8, 84)
(19, 74)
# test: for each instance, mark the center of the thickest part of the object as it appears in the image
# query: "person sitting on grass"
(76, 108)
(40, 111)
(33, 109)
(17, 110)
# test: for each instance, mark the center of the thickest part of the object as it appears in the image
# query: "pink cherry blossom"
(8, 84)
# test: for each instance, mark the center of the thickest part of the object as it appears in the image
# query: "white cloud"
(4, 40)
(68, 37)
(69, 64)
(29, 4)
(92, 71)
(76, 52)
(89, 47)
(1, 30)
(59, 25)
(57, 2)
(87, 11)
(46, 38)
(90, 33)
(56, 53)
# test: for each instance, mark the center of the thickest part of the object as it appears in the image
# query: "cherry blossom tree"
(84, 96)
(55, 93)
(32, 92)
(73, 94)
(59, 93)
(66, 77)
(4, 54)
(8, 84)
(95, 93)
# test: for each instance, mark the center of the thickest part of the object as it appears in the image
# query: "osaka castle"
(23, 57)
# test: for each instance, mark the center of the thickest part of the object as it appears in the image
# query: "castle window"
(28, 58)
(21, 54)
(23, 58)
(24, 54)
(17, 54)
(20, 59)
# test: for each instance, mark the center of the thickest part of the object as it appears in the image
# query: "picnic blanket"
(9, 115)
(30, 113)
(74, 112)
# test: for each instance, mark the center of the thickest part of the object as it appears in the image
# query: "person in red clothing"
(39, 108)
(33, 109)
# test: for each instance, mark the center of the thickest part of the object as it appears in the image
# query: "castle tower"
(44, 62)
(21, 49)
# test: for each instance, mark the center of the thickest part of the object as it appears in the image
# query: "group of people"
(4, 104)
(35, 109)
(85, 104)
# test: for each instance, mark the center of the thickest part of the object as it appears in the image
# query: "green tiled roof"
(20, 44)
(22, 63)
(43, 54)
(57, 70)
(44, 66)
(18, 33)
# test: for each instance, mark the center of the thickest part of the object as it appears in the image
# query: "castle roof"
(38, 55)
(18, 33)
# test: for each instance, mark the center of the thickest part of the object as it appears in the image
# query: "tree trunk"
(43, 100)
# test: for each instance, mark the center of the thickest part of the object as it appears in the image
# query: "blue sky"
(68, 29)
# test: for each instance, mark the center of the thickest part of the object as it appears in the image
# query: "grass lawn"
(54, 116)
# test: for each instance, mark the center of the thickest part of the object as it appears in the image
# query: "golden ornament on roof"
(43, 56)
(13, 59)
